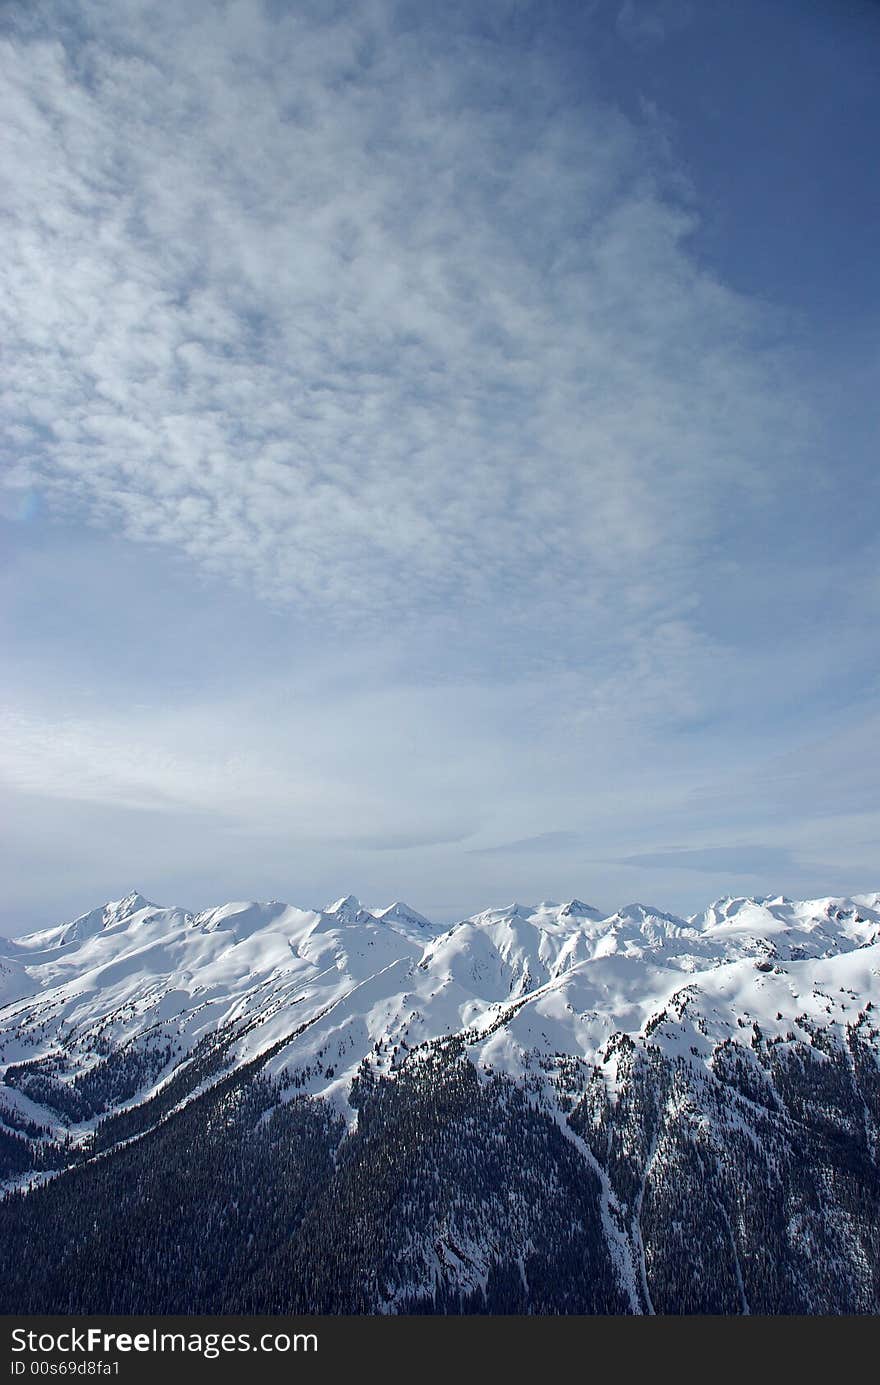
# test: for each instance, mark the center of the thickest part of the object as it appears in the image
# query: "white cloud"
(318, 310)
(376, 327)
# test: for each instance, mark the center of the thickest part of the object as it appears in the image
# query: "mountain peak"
(124, 908)
(399, 912)
(349, 910)
(577, 909)
(642, 912)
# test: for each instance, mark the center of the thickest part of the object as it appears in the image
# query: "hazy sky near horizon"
(439, 451)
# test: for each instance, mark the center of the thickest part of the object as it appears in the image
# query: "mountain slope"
(538, 1109)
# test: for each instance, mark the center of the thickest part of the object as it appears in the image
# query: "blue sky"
(438, 452)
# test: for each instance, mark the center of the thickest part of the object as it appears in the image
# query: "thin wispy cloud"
(645, 23)
(734, 860)
(543, 842)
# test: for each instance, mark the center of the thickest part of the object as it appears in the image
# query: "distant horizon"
(443, 917)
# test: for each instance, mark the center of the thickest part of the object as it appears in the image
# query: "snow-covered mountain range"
(351, 983)
(117, 1023)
